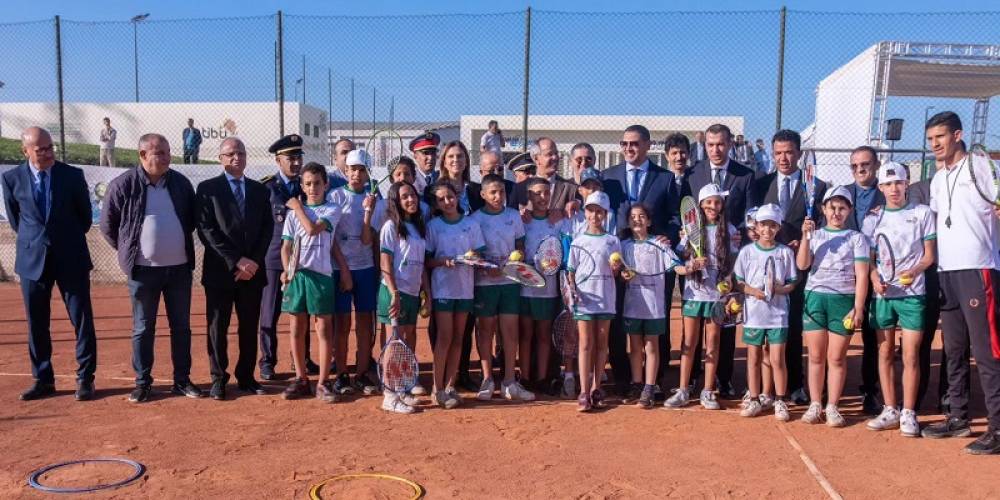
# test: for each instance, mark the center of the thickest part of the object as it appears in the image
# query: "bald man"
(48, 206)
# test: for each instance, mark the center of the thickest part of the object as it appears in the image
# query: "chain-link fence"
(841, 79)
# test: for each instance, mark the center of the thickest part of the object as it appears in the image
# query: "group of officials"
(152, 214)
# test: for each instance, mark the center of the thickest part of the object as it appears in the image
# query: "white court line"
(820, 478)
(4, 374)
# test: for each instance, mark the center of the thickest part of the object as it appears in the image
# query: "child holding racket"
(498, 299)
(765, 272)
(903, 238)
(402, 247)
(450, 235)
(403, 170)
(644, 314)
(591, 276)
(310, 290)
(539, 306)
(837, 260)
(356, 238)
(702, 291)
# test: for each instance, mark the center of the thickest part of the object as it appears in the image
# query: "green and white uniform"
(829, 293)
(645, 310)
(495, 294)
(597, 291)
(348, 231)
(539, 303)
(765, 319)
(699, 297)
(311, 289)
(453, 286)
(407, 269)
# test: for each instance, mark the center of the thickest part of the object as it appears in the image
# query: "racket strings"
(399, 366)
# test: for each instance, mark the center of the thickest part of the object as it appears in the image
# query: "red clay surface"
(263, 446)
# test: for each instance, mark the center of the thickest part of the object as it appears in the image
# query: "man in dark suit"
(784, 188)
(545, 156)
(235, 225)
(697, 151)
(48, 206)
(867, 197)
(639, 180)
(735, 179)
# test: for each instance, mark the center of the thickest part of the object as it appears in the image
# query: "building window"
(316, 131)
(305, 130)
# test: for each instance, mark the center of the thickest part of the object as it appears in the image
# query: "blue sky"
(691, 57)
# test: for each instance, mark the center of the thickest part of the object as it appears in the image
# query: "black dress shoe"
(987, 444)
(267, 373)
(727, 391)
(467, 383)
(800, 397)
(218, 391)
(252, 387)
(952, 427)
(38, 391)
(140, 394)
(187, 389)
(870, 404)
(85, 391)
(312, 368)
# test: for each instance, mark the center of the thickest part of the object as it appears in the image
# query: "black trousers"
(970, 313)
(219, 304)
(270, 311)
(869, 353)
(75, 291)
(793, 347)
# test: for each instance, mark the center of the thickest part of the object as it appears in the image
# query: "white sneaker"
(392, 403)
(486, 390)
(751, 408)
(514, 391)
(708, 401)
(445, 400)
(678, 400)
(781, 410)
(418, 390)
(454, 394)
(410, 399)
(888, 419)
(767, 402)
(908, 425)
(812, 415)
(833, 416)
(569, 386)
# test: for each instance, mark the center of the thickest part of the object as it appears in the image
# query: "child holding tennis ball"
(498, 299)
(449, 235)
(701, 292)
(837, 260)
(900, 302)
(594, 286)
(765, 329)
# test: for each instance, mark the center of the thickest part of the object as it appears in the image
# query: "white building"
(256, 123)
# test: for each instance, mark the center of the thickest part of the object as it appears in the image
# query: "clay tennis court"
(265, 447)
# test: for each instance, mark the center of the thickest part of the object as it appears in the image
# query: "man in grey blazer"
(545, 154)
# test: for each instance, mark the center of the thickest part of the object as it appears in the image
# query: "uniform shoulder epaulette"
(267, 178)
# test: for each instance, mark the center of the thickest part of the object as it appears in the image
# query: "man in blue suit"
(48, 206)
(639, 180)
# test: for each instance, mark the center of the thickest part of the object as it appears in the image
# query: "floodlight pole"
(135, 49)
(923, 148)
(781, 70)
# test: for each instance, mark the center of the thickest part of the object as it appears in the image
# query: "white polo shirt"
(967, 229)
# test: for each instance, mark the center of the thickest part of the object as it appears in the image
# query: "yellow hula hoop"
(418, 491)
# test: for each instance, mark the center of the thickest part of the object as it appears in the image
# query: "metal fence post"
(527, 78)
(59, 85)
(281, 78)
(352, 108)
(781, 70)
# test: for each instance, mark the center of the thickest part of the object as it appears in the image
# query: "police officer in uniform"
(281, 186)
(425, 152)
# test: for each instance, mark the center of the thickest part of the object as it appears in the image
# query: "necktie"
(238, 193)
(42, 195)
(633, 187)
(786, 194)
(717, 177)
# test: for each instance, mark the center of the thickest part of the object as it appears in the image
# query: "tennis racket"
(729, 310)
(979, 157)
(586, 267)
(770, 277)
(384, 147)
(293, 260)
(693, 224)
(647, 258)
(397, 365)
(808, 168)
(524, 274)
(564, 334)
(886, 259)
(475, 261)
(549, 255)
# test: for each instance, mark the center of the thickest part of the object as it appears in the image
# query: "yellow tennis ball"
(905, 279)
(470, 254)
(615, 258)
(723, 287)
(849, 324)
(516, 256)
(735, 307)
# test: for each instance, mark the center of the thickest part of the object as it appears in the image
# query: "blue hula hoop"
(33, 478)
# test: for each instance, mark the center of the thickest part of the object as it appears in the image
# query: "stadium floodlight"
(135, 48)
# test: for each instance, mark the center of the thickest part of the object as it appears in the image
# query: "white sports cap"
(357, 157)
(840, 191)
(599, 198)
(891, 171)
(769, 212)
(710, 190)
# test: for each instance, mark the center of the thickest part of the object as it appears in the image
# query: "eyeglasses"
(630, 144)
(861, 166)
(240, 154)
(584, 159)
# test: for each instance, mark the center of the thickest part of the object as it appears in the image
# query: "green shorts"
(649, 327)
(452, 305)
(756, 336)
(592, 317)
(540, 308)
(697, 309)
(409, 307)
(905, 312)
(826, 311)
(497, 299)
(309, 292)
